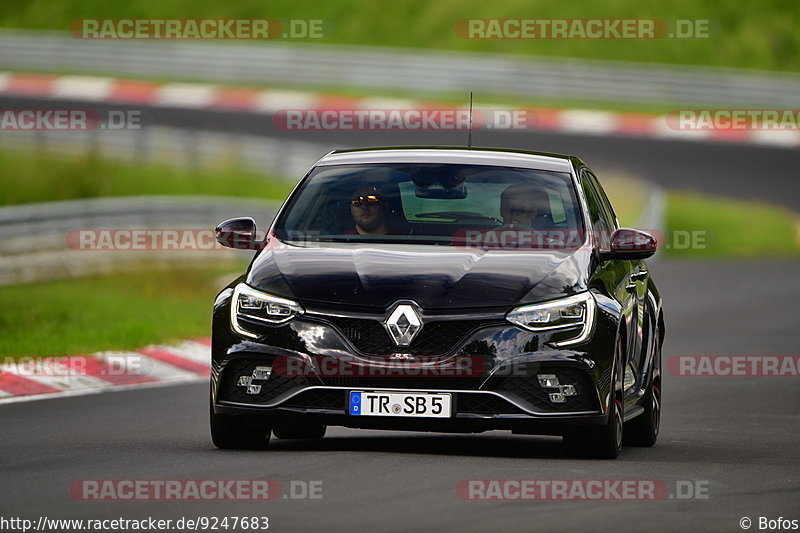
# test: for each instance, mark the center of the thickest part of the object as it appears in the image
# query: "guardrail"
(312, 65)
(34, 244)
(35, 236)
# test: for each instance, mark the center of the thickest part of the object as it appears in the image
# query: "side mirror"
(239, 233)
(628, 243)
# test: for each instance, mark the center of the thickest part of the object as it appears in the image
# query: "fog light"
(244, 381)
(548, 380)
(557, 397)
(262, 372)
(253, 389)
(568, 390)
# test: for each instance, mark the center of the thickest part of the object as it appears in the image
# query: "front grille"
(406, 382)
(485, 404)
(528, 390)
(270, 389)
(435, 338)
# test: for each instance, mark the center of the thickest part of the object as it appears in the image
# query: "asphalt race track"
(737, 434)
(733, 438)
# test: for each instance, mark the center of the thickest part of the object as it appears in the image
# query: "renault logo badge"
(403, 325)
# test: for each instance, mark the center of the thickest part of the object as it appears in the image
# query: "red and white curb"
(270, 101)
(27, 378)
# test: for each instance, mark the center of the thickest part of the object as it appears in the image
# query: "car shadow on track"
(471, 446)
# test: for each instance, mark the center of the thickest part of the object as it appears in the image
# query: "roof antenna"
(469, 135)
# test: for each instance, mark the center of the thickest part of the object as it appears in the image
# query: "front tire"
(643, 430)
(603, 442)
(230, 432)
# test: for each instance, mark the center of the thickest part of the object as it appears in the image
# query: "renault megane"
(441, 289)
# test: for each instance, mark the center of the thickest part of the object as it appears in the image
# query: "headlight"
(575, 312)
(250, 304)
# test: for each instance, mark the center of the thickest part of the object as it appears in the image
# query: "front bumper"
(315, 362)
(460, 423)
(508, 398)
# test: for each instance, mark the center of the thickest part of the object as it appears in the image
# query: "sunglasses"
(361, 201)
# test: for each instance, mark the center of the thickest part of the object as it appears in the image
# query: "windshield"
(429, 203)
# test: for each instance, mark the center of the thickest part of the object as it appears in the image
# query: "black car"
(441, 289)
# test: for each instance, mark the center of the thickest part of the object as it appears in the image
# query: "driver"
(369, 208)
(521, 203)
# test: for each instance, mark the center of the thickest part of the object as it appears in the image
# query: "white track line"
(194, 351)
(5, 77)
(140, 364)
(185, 95)
(119, 363)
(109, 388)
(83, 88)
(272, 101)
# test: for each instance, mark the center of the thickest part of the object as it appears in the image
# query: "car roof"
(451, 154)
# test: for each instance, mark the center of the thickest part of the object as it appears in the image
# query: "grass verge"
(628, 196)
(109, 312)
(705, 226)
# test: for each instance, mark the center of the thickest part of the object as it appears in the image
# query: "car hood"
(433, 276)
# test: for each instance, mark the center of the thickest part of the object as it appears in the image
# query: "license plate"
(423, 405)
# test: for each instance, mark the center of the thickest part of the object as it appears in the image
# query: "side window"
(611, 216)
(596, 214)
(557, 210)
(602, 222)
